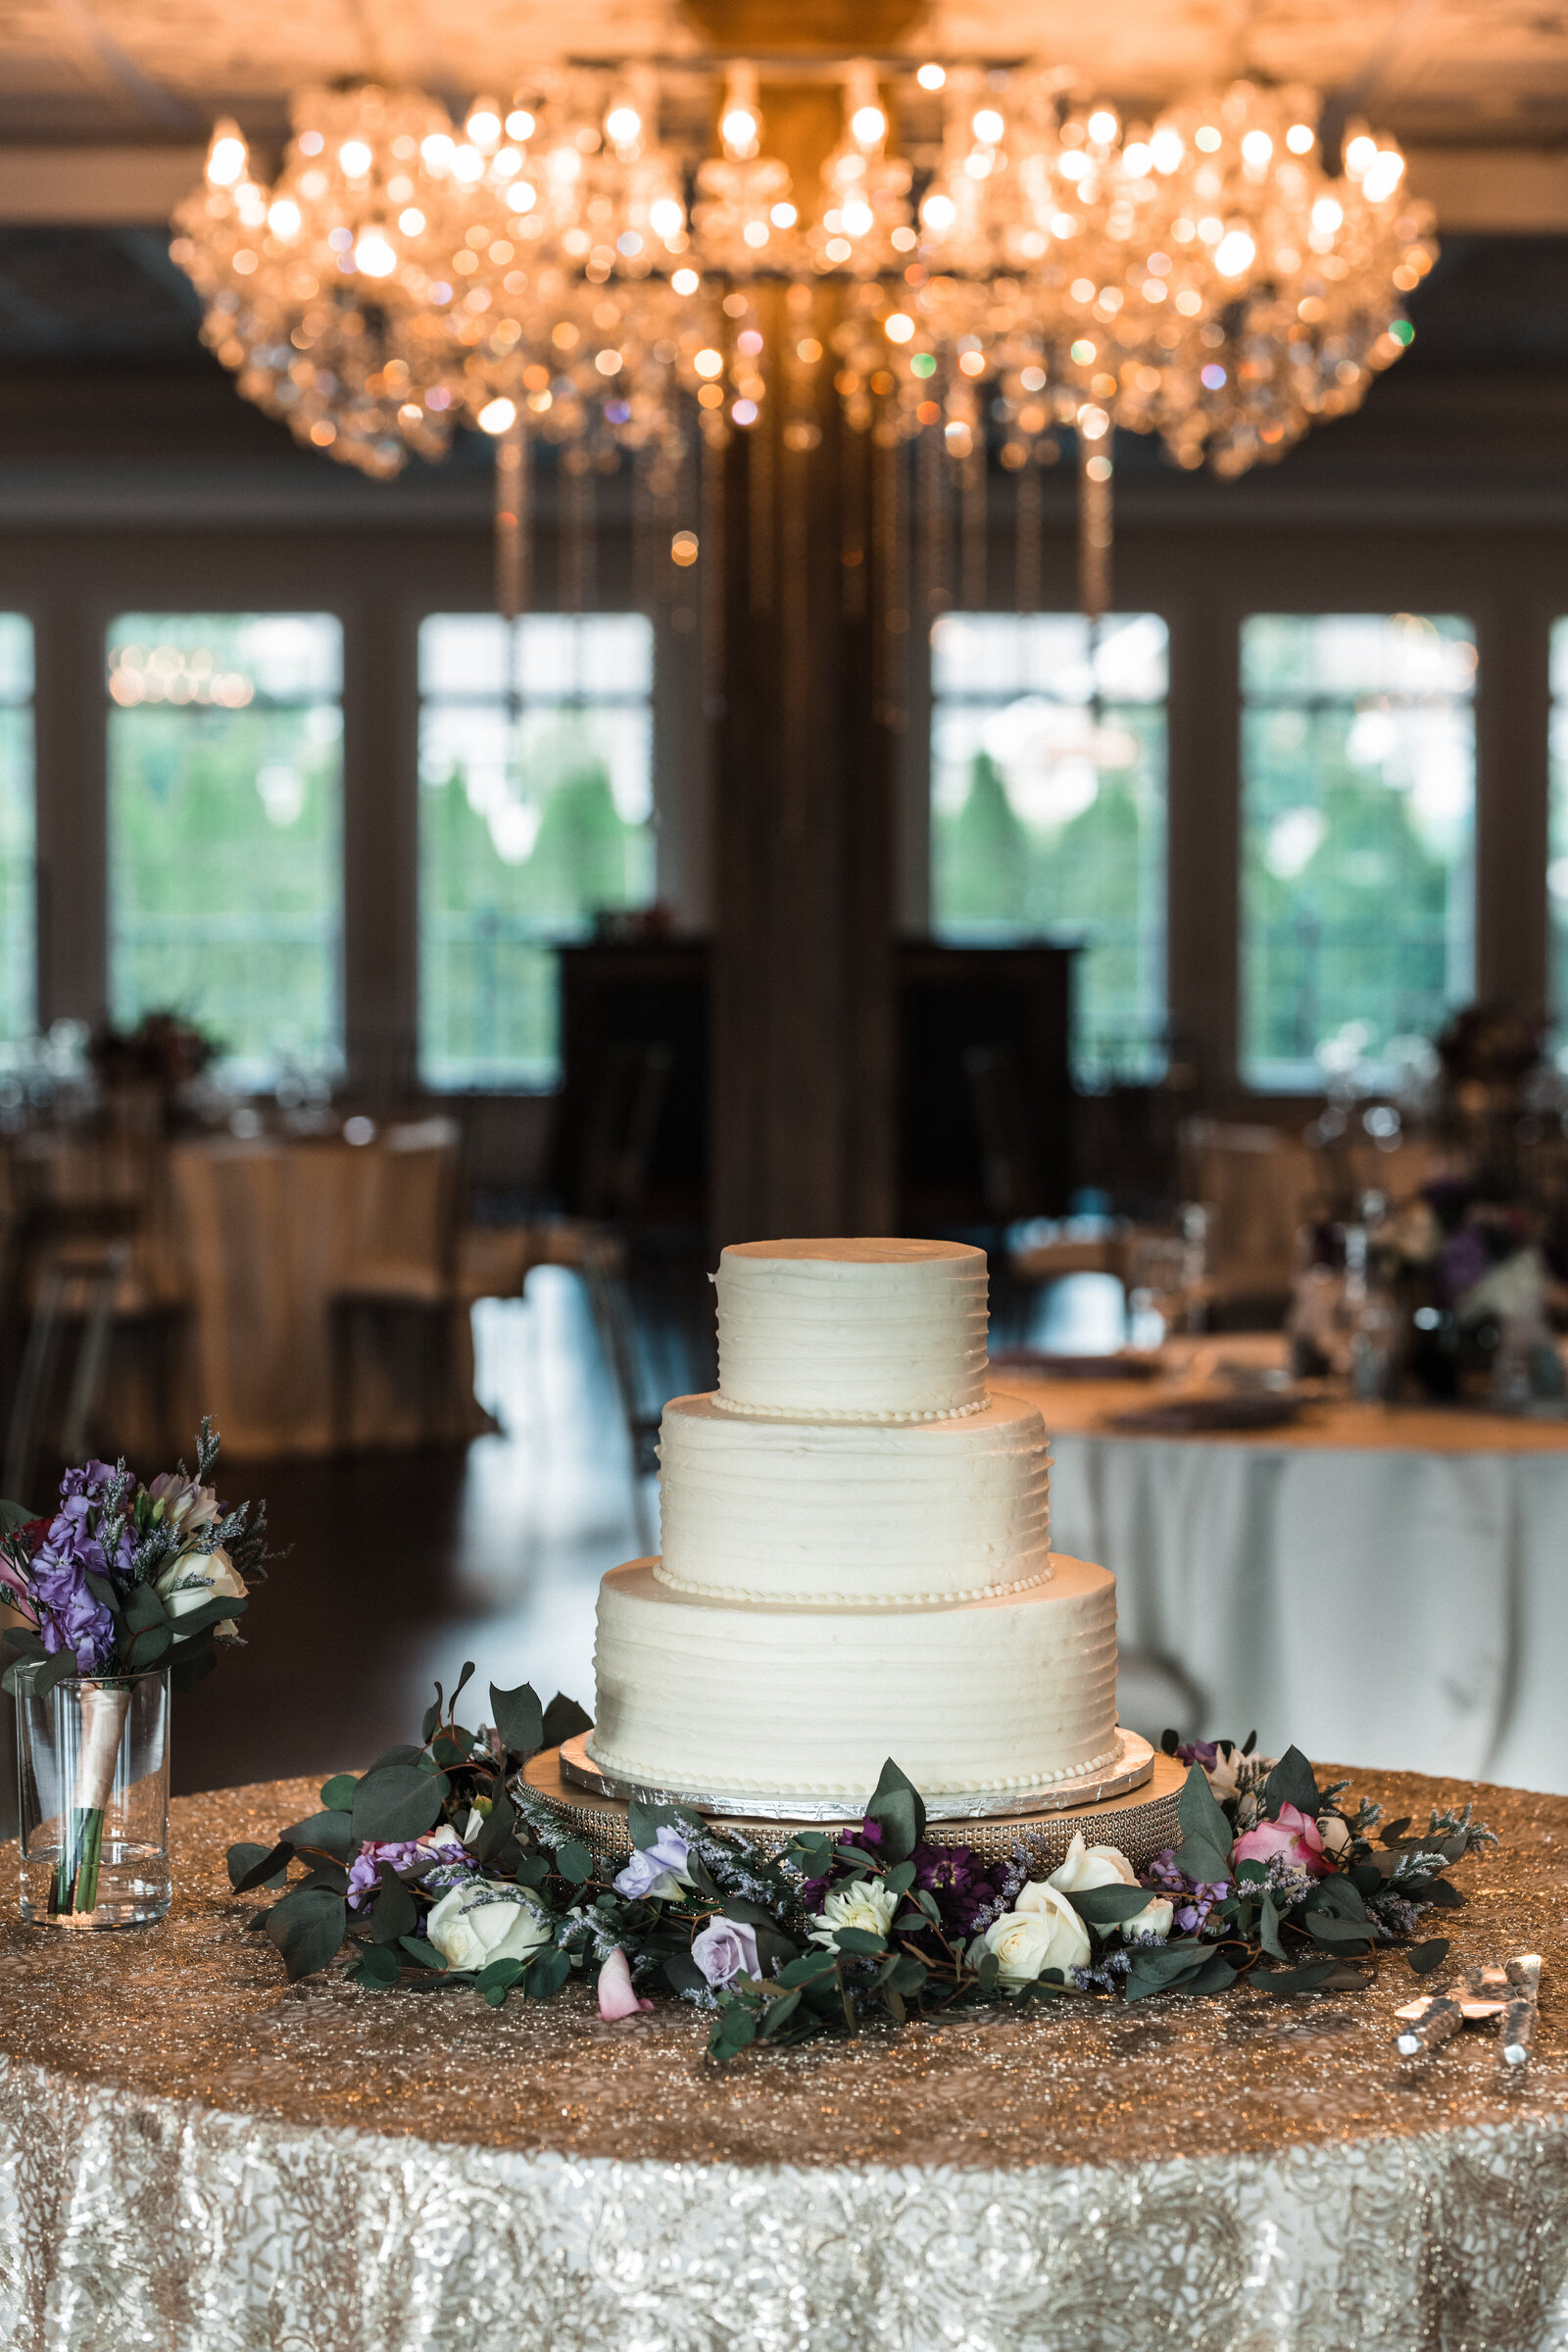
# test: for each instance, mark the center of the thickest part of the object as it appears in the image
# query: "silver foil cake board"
(1140, 1821)
(1129, 1767)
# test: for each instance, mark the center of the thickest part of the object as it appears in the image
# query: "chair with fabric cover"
(401, 1277)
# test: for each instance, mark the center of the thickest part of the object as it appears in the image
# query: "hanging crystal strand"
(1093, 511)
(514, 548)
(972, 556)
(852, 529)
(802, 434)
(711, 568)
(931, 479)
(760, 487)
(890, 551)
(1027, 510)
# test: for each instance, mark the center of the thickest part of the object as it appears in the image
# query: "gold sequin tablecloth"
(193, 2154)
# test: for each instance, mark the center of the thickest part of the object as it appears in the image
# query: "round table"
(1386, 1581)
(195, 2155)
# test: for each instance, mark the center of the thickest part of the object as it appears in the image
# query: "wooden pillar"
(803, 1037)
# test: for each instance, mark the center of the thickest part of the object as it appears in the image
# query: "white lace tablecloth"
(196, 2158)
(1386, 1583)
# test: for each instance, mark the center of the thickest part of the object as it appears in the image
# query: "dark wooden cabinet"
(983, 1094)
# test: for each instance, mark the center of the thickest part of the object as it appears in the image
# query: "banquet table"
(1382, 1580)
(197, 2157)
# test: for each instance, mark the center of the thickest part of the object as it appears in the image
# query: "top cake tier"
(851, 1329)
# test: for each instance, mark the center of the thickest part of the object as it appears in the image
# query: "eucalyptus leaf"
(1105, 1907)
(145, 1648)
(378, 1969)
(1309, 1978)
(144, 1609)
(422, 1952)
(396, 1913)
(499, 1824)
(574, 1862)
(548, 1971)
(1166, 1967)
(779, 2012)
(1425, 1957)
(897, 1808)
(1206, 1836)
(222, 1609)
(191, 1664)
(337, 1793)
(333, 1832)
(308, 1927)
(564, 1719)
(1269, 1930)
(395, 1803)
(519, 1719)
(1218, 1976)
(14, 1516)
(859, 1941)
(252, 1865)
(1439, 1891)
(1292, 1783)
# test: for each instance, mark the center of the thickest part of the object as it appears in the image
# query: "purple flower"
(964, 1884)
(726, 1949)
(92, 1481)
(442, 1845)
(657, 1871)
(72, 1619)
(1194, 1899)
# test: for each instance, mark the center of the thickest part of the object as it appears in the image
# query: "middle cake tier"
(855, 1514)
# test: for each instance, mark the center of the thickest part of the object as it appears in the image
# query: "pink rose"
(1293, 1838)
(617, 1998)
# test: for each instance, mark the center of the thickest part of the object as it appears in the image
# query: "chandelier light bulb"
(685, 281)
(354, 159)
(869, 125)
(498, 415)
(520, 125)
(989, 128)
(522, 196)
(666, 218)
(898, 326)
(783, 215)
(740, 130)
(684, 549)
(484, 127)
(1235, 253)
(623, 125)
(1207, 139)
(374, 255)
(932, 77)
(1359, 155)
(1383, 175)
(938, 213)
(410, 221)
(226, 157)
(709, 363)
(1256, 149)
(1136, 159)
(856, 217)
(467, 165)
(1093, 423)
(1300, 138)
(437, 151)
(1166, 148)
(1102, 125)
(283, 219)
(755, 234)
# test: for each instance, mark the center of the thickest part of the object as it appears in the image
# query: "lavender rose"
(726, 1949)
(656, 1871)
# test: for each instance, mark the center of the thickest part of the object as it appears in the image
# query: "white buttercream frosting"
(851, 1515)
(874, 1329)
(980, 1698)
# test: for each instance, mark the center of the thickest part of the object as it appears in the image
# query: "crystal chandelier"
(536, 271)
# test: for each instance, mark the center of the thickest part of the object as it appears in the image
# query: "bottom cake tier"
(978, 1699)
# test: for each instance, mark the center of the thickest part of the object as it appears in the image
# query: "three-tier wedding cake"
(856, 1560)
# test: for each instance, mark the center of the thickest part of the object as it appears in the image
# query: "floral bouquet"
(441, 1860)
(120, 1580)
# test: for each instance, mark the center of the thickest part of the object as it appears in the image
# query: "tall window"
(1048, 809)
(1557, 835)
(18, 939)
(225, 794)
(1359, 826)
(536, 808)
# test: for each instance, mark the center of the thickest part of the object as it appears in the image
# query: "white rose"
(196, 1578)
(1153, 1918)
(478, 1923)
(1088, 1866)
(1334, 1832)
(1045, 1932)
(864, 1903)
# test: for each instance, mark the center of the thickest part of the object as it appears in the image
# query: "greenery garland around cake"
(440, 1868)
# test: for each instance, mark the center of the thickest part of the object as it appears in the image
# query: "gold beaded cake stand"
(1139, 1818)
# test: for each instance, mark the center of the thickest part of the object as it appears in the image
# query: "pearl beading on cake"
(796, 1412)
(624, 1769)
(849, 1601)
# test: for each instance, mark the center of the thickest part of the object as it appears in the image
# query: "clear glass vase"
(92, 1764)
